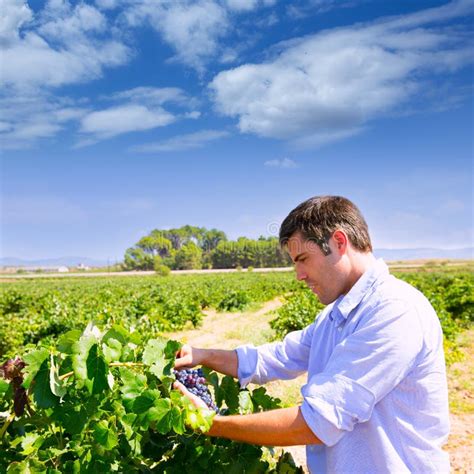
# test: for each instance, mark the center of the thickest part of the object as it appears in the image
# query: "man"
(375, 400)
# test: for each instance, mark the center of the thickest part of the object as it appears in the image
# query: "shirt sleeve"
(280, 360)
(362, 369)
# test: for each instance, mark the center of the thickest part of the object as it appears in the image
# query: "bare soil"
(228, 330)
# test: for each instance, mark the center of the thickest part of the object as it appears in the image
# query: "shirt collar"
(346, 303)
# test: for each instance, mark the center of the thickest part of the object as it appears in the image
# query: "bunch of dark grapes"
(194, 381)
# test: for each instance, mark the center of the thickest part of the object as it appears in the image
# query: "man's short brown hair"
(320, 216)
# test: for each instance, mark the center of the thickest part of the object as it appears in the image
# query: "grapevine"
(102, 401)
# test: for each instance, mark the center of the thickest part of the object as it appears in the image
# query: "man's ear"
(340, 241)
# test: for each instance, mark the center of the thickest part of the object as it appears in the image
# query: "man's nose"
(300, 275)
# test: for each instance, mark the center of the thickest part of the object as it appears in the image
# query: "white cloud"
(248, 5)
(154, 95)
(65, 24)
(27, 118)
(107, 4)
(229, 55)
(281, 163)
(138, 109)
(328, 86)
(242, 5)
(15, 13)
(195, 114)
(182, 142)
(192, 28)
(127, 118)
(63, 45)
(301, 8)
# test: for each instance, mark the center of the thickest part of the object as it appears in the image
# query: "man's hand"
(220, 360)
(188, 357)
(195, 400)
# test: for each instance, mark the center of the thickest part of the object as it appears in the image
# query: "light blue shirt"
(376, 392)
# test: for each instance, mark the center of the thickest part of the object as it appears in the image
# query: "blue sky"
(121, 116)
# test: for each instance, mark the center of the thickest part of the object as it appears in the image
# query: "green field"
(100, 399)
(39, 310)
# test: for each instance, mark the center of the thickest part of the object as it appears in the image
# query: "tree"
(137, 259)
(155, 243)
(188, 257)
(191, 247)
(211, 239)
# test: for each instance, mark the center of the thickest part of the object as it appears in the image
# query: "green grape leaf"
(171, 348)
(159, 410)
(105, 435)
(161, 413)
(33, 361)
(154, 349)
(27, 466)
(133, 384)
(245, 403)
(159, 367)
(177, 420)
(72, 418)
(41, 387)
(81, 351)
(31, 442)
(127, 421)
(154, 357)
(177, 398)
(211, 377)
(56, 385)
(122, 335)
(229, 392)
(110, 380)
(165, 424)
(145, 401)
(159, 355)
(96, 371)
(262, 399)
(199, 419)
(4, 386)
(286, 465)
(112, 350)
(67, 340)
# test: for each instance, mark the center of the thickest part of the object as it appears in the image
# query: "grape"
(195, 382)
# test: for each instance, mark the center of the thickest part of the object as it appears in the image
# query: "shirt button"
(339, 328)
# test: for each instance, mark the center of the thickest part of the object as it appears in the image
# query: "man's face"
(324, 275)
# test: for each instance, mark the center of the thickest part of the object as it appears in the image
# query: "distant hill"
(53, 262)
(387, 254)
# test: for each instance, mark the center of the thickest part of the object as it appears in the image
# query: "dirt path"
(461, 395)
(228, 330)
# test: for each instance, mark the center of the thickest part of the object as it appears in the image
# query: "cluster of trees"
(191, 247)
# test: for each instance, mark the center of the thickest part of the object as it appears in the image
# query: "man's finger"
(179, 386)
(197, 402)
(182, 363)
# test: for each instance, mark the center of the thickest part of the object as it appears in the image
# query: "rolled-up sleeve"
(333, 405)
(280, 360)
(362, 369)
